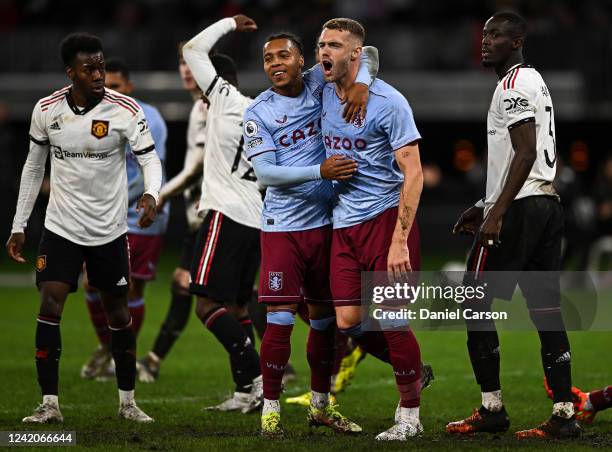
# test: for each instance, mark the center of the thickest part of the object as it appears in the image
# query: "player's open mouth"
(327, 67)
(278, 75)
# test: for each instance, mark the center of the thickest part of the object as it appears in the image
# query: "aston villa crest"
(275, 281)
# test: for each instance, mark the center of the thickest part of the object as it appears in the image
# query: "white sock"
(126, 397)
(154, 357)
(563, 409)
(270, 406)
(51, 400)
(319, 399)
(410, 415)
(588, 406)
(492, 401)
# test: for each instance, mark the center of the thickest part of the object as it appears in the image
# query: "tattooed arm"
(409, 161)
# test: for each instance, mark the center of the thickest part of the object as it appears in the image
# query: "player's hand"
(244, 23)
(398, 261)
(14, 246)
(490, 229)
(355, 100)
(338, 167)
(147, 209)
(469, 221)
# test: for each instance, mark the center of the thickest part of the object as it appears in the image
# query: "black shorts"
(108, 265)
(187, 251)
(531, 235)
(225, 261)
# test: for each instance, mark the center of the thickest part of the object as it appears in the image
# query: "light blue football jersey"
(388, 126)
(291, 127)
(157, 126)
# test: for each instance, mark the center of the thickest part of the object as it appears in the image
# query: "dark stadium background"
(429, 50)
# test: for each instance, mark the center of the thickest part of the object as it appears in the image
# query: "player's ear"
(517, 42)
(356, 53)
(301, 61)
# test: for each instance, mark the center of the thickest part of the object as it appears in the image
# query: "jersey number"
(549, 162)
(249, 174)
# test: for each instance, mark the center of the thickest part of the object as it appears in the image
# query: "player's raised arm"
(197, 49)
(31, 179)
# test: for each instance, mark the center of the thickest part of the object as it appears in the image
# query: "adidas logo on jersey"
(122, 281)
(54, 126)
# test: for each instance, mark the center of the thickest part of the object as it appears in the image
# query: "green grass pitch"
(196, 374)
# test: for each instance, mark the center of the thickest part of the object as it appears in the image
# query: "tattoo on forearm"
(405, 217)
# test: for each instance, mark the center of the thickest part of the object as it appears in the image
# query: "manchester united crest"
(99, 128)
(41, 263)
(275, 281)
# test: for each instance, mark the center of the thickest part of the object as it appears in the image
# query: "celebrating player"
(521, 231)
(226, 256)
(145, 244)
(282, 132)
(374, 211)
(188, 181)
(84, 128)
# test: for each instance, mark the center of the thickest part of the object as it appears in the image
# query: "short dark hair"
(225, 67)
(345, 24)
(179, 49)
(79, 42)
(516, 23)
(117, 65)
(290, 36)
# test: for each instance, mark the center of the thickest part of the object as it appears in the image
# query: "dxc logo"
(515, 102)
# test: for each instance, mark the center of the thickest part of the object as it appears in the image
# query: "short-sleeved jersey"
(159, 132)
(88, 199)
(372, 142)
(229, 184)
(520, 96)
(291, 127)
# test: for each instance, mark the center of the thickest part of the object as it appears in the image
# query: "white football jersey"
(229, 184)
(521, 96)
(88, 199)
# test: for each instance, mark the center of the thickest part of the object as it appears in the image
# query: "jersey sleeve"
(38, 129)
(397, 121)
(517, 104)
(257, 138)
(141, 142)
(159, 132)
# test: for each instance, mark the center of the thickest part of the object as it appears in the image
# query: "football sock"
(137, 311)
(126, 397)
(406, 362)
(410, 415)
(270, 406)
(275, 351)
(98, 317)
(372, 342)
(123, 349)
(600, 400)
(51, 400)
(483, 348)
(341, 347)
(556, 360)
(48, 351)
(244, 360)
(247, 325)
(492, 401)
(174, 324)
(320, 353)
(563, 409)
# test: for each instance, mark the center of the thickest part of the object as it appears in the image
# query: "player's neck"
(348, 80)
(512, 61)
(293, 89)
(79, 98)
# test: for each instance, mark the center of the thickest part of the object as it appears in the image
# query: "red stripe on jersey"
(514, 78)
(54, 96)
(46, 107)
(121, 105)
(125, 98)
(126, 104)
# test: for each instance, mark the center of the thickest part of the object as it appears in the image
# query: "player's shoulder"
(52, 99)
(151, 112)
(123, 103)
(261, 102)
(383, 95)
(521, 77)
